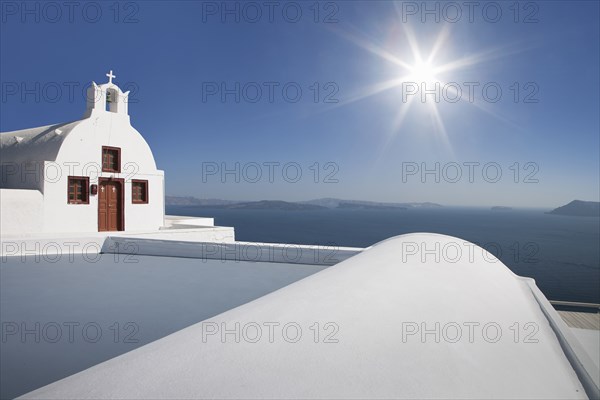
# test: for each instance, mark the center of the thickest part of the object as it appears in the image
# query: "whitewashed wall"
(20, 211)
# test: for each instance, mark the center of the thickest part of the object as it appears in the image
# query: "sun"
(422, 72)
(420, 78)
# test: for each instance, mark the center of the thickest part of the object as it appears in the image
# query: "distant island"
(501, 208)
(193, 201)
(354, 206)
(269, 205)
(339, 203)
(317, 204)
(579, 208)
(239, 205)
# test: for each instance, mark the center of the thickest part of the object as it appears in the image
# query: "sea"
(561, 253)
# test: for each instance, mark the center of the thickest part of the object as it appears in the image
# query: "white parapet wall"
(52, 245)
(51, 249)
(174, 220)
(186, 233)
(231, 251)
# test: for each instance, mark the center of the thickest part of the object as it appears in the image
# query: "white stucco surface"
(133, 300)
(371, 305)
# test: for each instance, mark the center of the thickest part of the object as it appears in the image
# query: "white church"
(94, 174)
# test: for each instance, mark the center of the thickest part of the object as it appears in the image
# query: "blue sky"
(347, 139)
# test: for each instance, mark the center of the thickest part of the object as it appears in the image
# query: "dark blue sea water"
(561, 253)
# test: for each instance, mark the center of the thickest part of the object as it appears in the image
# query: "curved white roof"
(78, 141)
(377, 314)
(35, 144)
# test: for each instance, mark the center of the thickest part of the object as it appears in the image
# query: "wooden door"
(110, 206)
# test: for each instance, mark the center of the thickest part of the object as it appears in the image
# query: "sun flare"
(422, 76)
(422, 72)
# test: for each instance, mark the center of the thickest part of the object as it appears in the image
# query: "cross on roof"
(110, 76)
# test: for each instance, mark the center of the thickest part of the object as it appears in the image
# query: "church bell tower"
(106, 98)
